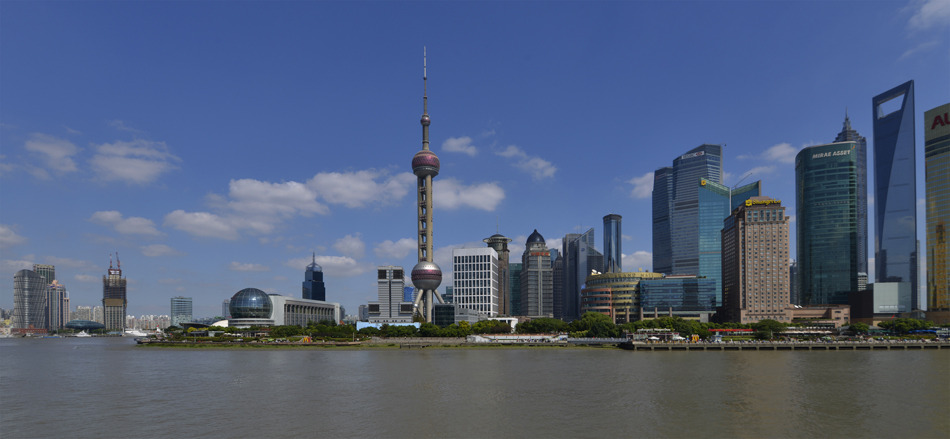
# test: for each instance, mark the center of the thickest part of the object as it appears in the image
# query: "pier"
(794, 346)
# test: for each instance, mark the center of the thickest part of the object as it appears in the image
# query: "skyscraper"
(426, 275)
(114, 297)
(475, 280)
(937, 180)
(48, 272)
(675, 208)
(895, 192)
(500, 244)
(613, 255)
(714, 203)
(313, 287)
(537, 293)
(514, 287)
(755, 262)
(848, 134)
(29, 302)
(829, 222)
(57, 306)
(390, 308)
(578, 257)
(181, 311)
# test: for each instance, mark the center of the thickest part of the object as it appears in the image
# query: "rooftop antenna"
(314, 257)
(118, 263)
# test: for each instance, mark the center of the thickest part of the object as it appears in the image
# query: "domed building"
(253, 307)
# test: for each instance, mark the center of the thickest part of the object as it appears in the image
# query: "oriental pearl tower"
(426, 275)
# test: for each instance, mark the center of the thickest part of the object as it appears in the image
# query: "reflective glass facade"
(578, 257)
(937, 166)
(848, 134)
(895, 189)
(681, 294)
(613, 254)
(700, 163)
(181, 310)
(662, 194)
(313, 286)
(29, 300)
(828, 223)
(514, 287)
(251, 303)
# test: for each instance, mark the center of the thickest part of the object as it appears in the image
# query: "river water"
(111, 388)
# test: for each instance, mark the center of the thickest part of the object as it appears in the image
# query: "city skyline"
(216, 148)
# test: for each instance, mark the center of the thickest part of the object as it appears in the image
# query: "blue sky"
(215, 145)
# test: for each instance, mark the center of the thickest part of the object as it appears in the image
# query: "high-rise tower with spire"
(426, 275)
(848, 134)
(114, 301)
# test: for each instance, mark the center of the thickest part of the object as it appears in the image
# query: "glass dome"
(250, 303)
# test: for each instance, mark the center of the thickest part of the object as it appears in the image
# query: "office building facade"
(57, 306)
(615, 295)
(47, 272)
(253, 307)
(714, 203)
(514, 288)
(390, 308)
(500, 244)
(29, 302)
(937, 181)
(537, 283)
(755, 262)
(895, 190)
(849, 134)
(114, 301)
(662, 195)
(613, 239)
(577, 259)
(313, 287)
(475, 280)
(181, 310)
(830, 244)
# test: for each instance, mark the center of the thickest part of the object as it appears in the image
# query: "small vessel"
(134, 333)
(83, 334)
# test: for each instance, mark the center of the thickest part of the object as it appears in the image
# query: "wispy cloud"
(395, 250)
(127, 226)
(56, 153)
(922, 47)
(537, 167)
(137, 162)
(157, 250)
(333, 266)
(238, 266)
(202, 224)
(450, 194)
(460, 144)
(121, 126)
(637, 260)
(350, 245)
(361, 188)
(928, 14)
(642, 186)
(8, 237)
(782, 153)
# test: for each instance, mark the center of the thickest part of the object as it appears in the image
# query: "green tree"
(860, 328)
(542, 325)
(768, 328)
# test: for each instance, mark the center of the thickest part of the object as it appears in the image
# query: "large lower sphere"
(426, 276)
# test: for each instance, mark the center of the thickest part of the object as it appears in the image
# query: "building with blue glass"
(895, 192)
(253, 307)
(577, 259)
(829, 223)
(689, 297)
(613, 255)
(849, 134)
(937, 181)
(662, 195)
(313, 286)
(181, 310)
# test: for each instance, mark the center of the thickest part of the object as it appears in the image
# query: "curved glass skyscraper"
(895, 190)
(828, 222)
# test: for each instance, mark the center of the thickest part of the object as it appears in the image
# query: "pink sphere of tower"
(426, 276)
(425, 163)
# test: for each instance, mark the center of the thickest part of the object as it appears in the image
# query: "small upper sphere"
(425, 163)
(425, 120)
(426, 276)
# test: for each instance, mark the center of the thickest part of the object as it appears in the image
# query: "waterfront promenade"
(789, 346)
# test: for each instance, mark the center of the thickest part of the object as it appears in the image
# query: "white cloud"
(642, 186)
(8, 237)
(333, 266)
(121, 126)
(929, 13)
(156, 250)
(537, 167)
(237, 266)
(86, 278)
(395, 250)
(16, 265)
(781, 152)
(449, 194)
(357, 189)
(922, 47)
(756, 173)
(127, 226)
(202, 224)
(138, 161)
(351, 246)
(637, 260)
(57, 153)
(262, 198)
(460, 144)
(71, 263)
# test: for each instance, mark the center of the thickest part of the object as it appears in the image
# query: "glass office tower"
(828, 223)
(715, 203)
(181, 310)
(612, 244)
(848, 134)
(937, 180)
(700, 163)
(662, 195)
(313, 287)
(895, 190)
